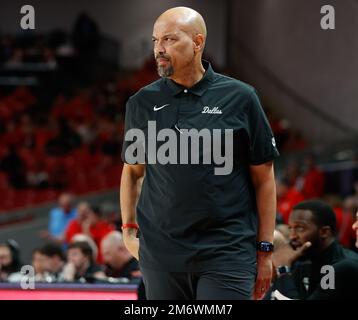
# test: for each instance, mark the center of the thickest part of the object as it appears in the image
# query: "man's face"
(82, 212)
(173, 47)
(76, 257)
(112, 254)
(109, 254)
(65, 202)
(5, 256)
(38, 262)
(52, 264)
(302, 229)
(355, 228)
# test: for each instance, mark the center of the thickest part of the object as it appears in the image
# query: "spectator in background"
(54, 260)
(90, 223)
(350, 207)
(80, 264)
(119, 262)
(287, 197)
(355, 229)
(84, 238)
(9, 259)
(313, 179)
(313, 244)
(60, 218)
(38, 263)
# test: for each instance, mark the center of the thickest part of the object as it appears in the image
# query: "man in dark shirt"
(314, 265)
(205, 225)
(81, 265)
(119, 263)
(117, 259)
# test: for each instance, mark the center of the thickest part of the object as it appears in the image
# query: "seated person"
(313, 245)
(38, 263)
(90, 223)
(9, 259)
(119, 262)
(54, 260)
(59, 219)
(80, 264)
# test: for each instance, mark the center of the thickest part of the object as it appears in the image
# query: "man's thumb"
(305, 246)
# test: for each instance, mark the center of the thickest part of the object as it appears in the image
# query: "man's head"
(54, 258)
(282, 186)
(114, 253)
(179, 36)
(83, 211)
(38, 261)
(80, 254)
(355, 228)
(312, 221)
(65, 202)
(5, 257)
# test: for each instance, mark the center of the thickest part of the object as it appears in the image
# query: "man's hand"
(264, 274)
(131, 241)
(69, 271)
(285, 255)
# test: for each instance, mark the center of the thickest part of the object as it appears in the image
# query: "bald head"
(114, 252)
(187, 19)
(179, 36)
(113, 239)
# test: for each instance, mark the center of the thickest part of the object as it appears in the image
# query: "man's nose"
(159, 48)
(355, 225)
(293, 234)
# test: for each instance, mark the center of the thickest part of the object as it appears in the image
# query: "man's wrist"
(264, 246)
(283, 269)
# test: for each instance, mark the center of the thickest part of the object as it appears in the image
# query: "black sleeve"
(262, 142)
(286, 285)
(345, 283)
(134, 145)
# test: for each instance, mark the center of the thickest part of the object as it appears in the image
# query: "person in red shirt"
(287, 197)
(89, 222)
(313, 180)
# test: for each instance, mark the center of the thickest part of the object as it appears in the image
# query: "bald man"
(201, 224)
(118, 260)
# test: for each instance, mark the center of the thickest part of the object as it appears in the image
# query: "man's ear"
(325, 232)
(199, 42)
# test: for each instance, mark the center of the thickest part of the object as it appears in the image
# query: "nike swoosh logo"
(158, 108)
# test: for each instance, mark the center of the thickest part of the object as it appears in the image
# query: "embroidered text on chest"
(214, 110)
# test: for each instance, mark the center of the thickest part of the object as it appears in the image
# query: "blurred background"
(64, 85)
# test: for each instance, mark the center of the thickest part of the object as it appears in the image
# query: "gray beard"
(165, 72)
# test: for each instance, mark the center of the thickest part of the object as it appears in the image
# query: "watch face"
(265, 246)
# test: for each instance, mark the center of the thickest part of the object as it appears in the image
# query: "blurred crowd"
(80, 245)
(305, 181)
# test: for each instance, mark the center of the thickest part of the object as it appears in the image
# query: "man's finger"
(299, 252)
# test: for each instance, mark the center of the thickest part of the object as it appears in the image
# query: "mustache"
(162, 56)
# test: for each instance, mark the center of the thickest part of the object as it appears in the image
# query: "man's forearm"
(129, 193)
(265, 190)
(266, 206)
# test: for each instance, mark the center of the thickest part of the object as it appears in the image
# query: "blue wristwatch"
(264, 246)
